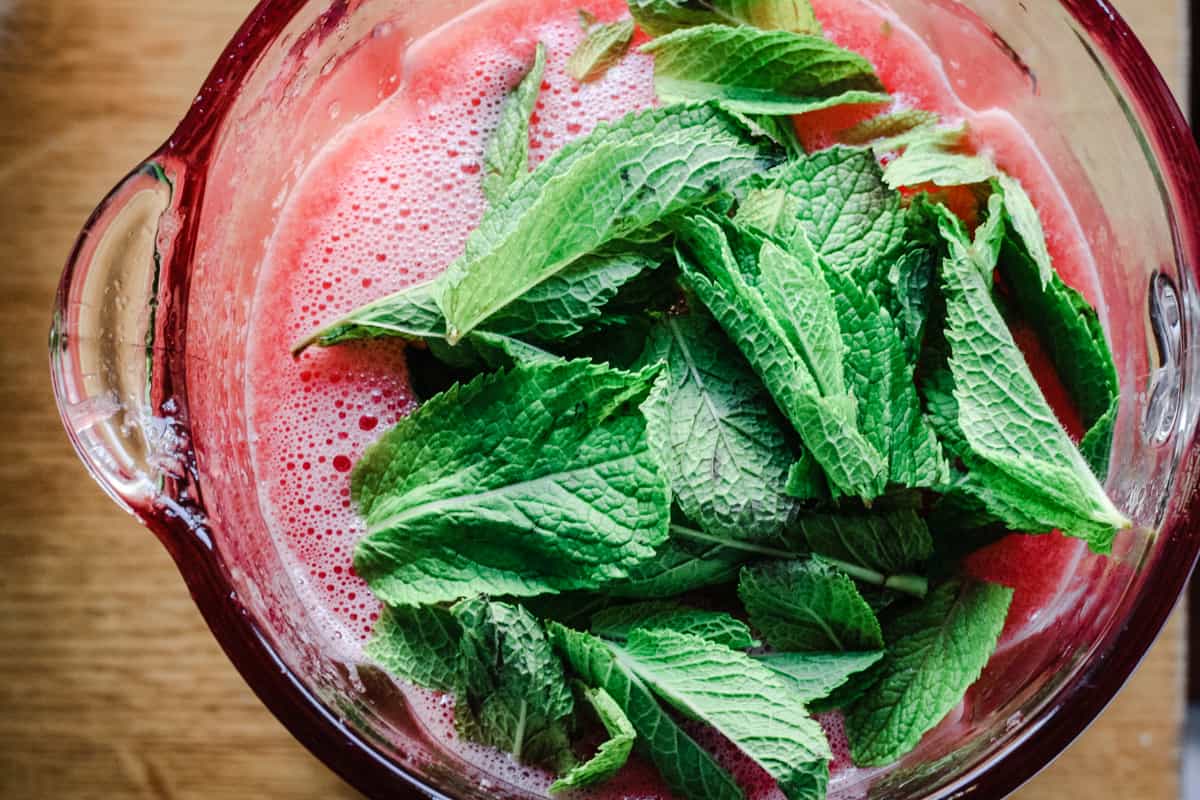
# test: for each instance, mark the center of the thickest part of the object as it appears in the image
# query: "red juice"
(390, 202)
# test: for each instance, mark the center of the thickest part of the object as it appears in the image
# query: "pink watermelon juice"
(391, 201)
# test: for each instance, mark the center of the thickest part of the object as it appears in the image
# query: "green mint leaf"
(891, 543)
(805, 480)
(612, 753)
(1027, 225)
(938, 137)
(561, 307)
(815, 676)
(535, 480)
(506, 158)
(681, 565)
(657, 17)
(880, 375)
(808, 606)
(795, 348)
(601, 49)
(923, 163)
(420, 645)
(935, 651)
(747, 702)
(515, 690)
(1097, 443)
(1066, 325)
(619, 622)
(782, 131)
(685, 766)
(613, 182)
(911, 280)
(887, 126)
(722, 444)
(760, 72)
(849, 215)
(411, 314)
(1018, 450)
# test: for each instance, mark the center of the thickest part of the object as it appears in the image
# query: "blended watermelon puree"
(390, 202)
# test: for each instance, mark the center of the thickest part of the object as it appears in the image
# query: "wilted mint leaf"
(612, 753)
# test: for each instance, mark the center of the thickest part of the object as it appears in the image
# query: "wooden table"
(110, 685)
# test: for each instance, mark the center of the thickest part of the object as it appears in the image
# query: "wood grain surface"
(110, 685)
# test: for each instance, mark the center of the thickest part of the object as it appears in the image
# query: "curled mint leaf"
(613, 751)
(686, 767)
(760, 72)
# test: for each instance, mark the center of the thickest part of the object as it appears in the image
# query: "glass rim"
(1039, 739)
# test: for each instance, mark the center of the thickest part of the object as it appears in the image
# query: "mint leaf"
(506, 158)
(1096, 446)
(685, 766)
(602, 48)
(795, 348)
(922, 163)
(760, 72)
(808, 605)
(657, 17)
(411, 314)
(523, 482)
(559, 308)
(911, 279)
(679, 566)
(814, 676)
(744, 700)
(619, 622)
(782, 131)
(420, 645)
(612, 753)
(722, 444)
(890, 543)
(849, 215)
(938, 137)
(514, 684)
(935, 651)
(611, 183)
(881, 377)
(888, 125)
(1027, 226)
(1018, 450)
(1066, 325)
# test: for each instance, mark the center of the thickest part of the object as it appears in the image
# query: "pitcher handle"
(103, 339)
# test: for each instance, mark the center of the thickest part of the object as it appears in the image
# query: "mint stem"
(916, 585)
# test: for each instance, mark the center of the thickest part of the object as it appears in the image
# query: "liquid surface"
(391, 201)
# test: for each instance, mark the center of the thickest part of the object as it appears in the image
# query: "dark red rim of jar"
(355, 760)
